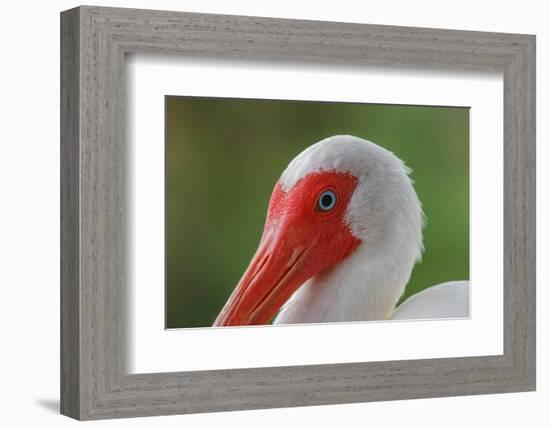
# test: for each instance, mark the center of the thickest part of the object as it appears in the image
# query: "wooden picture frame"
(94, 382)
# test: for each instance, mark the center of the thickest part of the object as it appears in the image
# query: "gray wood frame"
(94, 41)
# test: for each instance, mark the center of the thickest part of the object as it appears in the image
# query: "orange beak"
(274, 274)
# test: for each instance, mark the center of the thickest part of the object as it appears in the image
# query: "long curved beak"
(272, 277)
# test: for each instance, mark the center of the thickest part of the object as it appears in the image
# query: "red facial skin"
(299, 241)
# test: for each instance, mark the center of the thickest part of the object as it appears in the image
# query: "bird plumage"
(444, 301)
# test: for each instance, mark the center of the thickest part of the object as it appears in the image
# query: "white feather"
(447, 300)
(384, 213)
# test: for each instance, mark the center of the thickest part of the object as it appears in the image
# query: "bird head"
(337, 195)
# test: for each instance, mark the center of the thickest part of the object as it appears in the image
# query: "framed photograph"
(262, 213)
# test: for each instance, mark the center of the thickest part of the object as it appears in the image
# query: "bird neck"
(365, 286)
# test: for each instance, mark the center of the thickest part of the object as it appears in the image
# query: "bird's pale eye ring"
(326, 201)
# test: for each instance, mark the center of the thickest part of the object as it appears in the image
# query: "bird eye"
(327, 201)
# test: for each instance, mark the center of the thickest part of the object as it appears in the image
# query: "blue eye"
(327, 201)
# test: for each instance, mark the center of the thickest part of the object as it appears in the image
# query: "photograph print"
(298, 212)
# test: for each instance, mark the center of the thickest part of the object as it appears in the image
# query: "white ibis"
(342, 235)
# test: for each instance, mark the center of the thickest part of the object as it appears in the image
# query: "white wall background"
(29, 212)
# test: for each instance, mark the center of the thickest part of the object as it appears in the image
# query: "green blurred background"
(223, 157)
